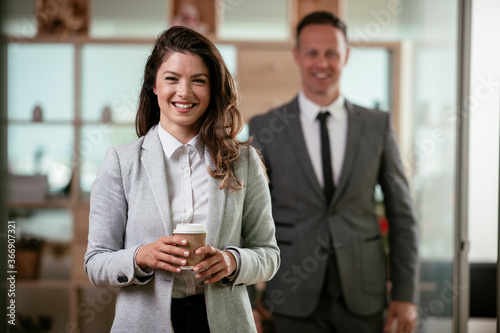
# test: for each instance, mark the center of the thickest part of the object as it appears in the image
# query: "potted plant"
(28, 257)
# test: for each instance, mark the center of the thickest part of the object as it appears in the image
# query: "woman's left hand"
(216, 265)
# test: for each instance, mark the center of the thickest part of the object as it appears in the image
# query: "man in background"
(324, 157)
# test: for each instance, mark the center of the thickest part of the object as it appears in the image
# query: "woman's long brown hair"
(222, 120)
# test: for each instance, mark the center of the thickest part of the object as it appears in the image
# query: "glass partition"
(112, 79)
(433, 162)
(95, 140)
(366, 78)
(40, 75)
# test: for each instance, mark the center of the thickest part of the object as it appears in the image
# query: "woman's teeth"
(183, 106)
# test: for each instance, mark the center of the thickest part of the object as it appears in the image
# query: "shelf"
(79, 283)
(80, 41)
(44, 122)
(67, 122)
(77, 40)
(56, 203)
(46, 284)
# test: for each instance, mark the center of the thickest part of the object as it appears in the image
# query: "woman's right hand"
(163, 253)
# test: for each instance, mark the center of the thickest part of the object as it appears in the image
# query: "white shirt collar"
(310, 110)
(171, 144)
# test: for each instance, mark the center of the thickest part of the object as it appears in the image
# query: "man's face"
(321, 54)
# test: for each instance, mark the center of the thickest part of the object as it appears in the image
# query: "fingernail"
(183, 262)
(198, 251)
(196, 269)
(186, 253)
(198, 276)
(183, 242)
(177, 270)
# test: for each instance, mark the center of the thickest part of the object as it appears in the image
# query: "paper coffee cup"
(195, 235)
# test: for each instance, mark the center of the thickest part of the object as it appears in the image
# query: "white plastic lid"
(189, 228)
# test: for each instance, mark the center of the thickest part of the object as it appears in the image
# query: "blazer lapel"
(354, 127)
(216, 203)
(153, 161)
(296, 137)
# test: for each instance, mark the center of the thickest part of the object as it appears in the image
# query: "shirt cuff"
(237, 256)
(139, 272)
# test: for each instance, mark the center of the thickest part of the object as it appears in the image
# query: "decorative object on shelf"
(59, 175)
(189, 16)
(62, 19)
(37, 114)
(106, 115)
(28, 257)
(56, 260)
(26, 323)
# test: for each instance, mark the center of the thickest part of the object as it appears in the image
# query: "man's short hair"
(321, 17)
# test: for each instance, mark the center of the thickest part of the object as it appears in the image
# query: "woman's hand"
(216, 265)
(162, 254)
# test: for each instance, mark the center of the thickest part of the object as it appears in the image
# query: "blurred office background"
(73, 75)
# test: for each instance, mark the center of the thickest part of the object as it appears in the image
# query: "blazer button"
(122, 279)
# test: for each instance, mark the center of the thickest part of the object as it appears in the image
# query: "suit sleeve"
(107, 262)
(402, 223)
(259, 253)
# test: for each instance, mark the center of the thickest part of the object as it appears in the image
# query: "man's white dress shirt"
(337, 132)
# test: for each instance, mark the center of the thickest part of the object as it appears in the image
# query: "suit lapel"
(216, 202)
(354, 127)
(153, 161)
(296, 137)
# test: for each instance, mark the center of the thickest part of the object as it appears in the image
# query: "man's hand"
(406, 315)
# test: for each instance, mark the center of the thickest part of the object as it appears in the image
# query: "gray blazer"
(129, 207)
(308, 229)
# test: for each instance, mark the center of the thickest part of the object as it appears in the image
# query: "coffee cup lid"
(189, 228)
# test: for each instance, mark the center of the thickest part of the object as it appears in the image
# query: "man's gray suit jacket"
(308, 229)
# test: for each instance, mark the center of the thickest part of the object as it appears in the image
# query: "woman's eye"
(200, 81)
(171, 78)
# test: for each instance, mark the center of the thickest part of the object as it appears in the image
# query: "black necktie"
(326, 158)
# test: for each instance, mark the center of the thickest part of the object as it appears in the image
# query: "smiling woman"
(186, 167)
